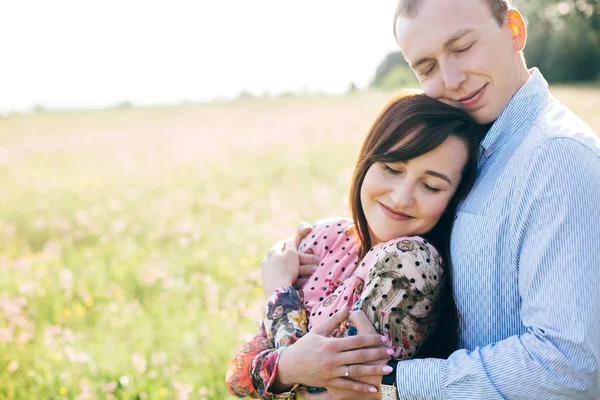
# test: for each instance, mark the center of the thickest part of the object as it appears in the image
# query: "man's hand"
(308, 261)
(280, 266)
(320, 361)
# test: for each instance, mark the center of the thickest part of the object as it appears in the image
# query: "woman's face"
(408, 198)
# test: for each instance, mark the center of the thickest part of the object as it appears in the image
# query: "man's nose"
(452, 75)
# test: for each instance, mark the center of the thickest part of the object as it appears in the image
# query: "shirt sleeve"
(252, 371)
(555, 248)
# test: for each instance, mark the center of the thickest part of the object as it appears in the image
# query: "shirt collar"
(523, 107)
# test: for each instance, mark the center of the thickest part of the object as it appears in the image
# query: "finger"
(332, 323)
(307, 270)
(290, 246)
(357, 342)
(361, 370)
(362, 356)
(303, 229)
(300, 282)
(361, 322)
(308, 258)
(352, 386)
(277, 247)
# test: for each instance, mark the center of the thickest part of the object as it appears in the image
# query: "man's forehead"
(437, 22)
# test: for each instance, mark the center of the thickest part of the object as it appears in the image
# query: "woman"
(417, 162)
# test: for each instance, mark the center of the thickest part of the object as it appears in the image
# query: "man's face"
(462, 56)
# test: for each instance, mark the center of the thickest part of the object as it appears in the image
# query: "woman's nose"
(402, 195)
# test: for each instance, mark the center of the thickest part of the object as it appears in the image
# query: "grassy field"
(130, 240)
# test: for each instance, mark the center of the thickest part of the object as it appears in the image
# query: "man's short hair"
(408, 8)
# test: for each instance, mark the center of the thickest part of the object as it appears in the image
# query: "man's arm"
(556, 246)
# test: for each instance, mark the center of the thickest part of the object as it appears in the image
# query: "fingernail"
(387, 369)
(384, 339)
(373, 390)
(390, 351)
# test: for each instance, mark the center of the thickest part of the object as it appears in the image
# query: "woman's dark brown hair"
(410, 125)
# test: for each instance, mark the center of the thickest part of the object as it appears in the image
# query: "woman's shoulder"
(415, 245)
(413, 251)
(329, 231)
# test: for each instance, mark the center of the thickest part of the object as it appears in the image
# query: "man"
(525, 246)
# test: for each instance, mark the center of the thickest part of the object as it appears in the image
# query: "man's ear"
(518, 29)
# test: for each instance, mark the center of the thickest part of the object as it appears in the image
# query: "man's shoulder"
(558, 125)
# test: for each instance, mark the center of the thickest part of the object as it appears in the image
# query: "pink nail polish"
(384, 339)
(387, 369)
(373, 390)
(390, 351)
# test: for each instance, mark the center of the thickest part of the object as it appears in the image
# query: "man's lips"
(473, 98)
(395, 215)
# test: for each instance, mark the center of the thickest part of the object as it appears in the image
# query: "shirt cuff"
(420, 379)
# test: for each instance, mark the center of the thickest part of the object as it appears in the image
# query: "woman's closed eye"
(391, 170)
(431, 188)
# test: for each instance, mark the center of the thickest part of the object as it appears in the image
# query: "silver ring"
(347, 373)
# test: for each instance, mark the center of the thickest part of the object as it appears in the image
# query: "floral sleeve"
(252, 371)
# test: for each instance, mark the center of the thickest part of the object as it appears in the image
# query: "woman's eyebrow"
(439, 175)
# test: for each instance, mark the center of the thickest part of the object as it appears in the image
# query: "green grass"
(131, 239)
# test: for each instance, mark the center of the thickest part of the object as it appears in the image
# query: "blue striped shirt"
(525, 249)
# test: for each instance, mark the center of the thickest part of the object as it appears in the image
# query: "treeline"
(563, 42)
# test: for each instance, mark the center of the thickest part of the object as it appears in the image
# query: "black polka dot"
(347, 239)
(319, 313)
(394, 309)
(330, 314)
(337, 261)
(312, 315)
(387, 260)
(423, 276)
(387, 326)
(336, 310)
(312, 288)
(410, 307)
(405, 296)
(412, 280)
(428, 260)
(343, 269)
(363, 264)
(417, 291)
(339, 224)
(320, 299)
(330, 251)
(330, 272)
(326, 247)
(435, 277)
(373, 308)
(326, 226)
(417, 263)
(345, 297)
(427, 307)
(396, 339)
(399, 265)
(315, 243)
(312, 236)
(394, 281)
(316, 278)
(411, 337)
(324, 237)
(343, 248)
(397, 320)
(384, 296)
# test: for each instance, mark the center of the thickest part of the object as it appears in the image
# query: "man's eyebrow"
(438, 175)
(459, 35)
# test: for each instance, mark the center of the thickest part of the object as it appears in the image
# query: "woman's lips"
(395, 215)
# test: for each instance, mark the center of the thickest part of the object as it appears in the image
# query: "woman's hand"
(320, 361)
(364, 327)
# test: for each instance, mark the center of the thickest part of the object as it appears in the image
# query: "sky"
(93, 54)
